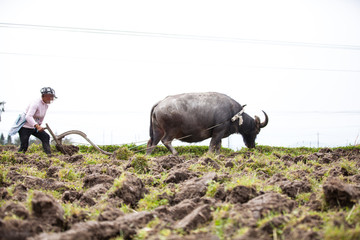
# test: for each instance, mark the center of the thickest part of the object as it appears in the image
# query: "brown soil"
(187, 208)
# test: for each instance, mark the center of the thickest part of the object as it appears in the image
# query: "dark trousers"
(25, 134)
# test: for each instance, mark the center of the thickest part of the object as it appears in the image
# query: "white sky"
(123, 56)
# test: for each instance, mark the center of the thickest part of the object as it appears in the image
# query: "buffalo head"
(251, 129)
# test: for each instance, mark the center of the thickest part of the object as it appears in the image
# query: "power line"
(243, 66)
(179, 36)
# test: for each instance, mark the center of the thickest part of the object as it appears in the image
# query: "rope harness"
(238, 116)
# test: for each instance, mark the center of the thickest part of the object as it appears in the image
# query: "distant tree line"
(16, 141)
(9, 141)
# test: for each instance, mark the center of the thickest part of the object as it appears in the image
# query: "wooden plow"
(60, 146)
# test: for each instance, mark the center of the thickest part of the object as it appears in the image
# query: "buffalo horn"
(263, 124)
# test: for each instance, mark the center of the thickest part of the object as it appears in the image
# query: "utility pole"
(318, 144)
(2, 109)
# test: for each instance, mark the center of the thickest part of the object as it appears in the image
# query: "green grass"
(251, 168)
(131, 149)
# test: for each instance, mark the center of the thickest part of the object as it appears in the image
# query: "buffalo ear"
(258, 124)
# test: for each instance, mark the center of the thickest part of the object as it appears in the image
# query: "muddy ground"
(268, 193)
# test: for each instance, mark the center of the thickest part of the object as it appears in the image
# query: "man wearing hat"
(33, 118)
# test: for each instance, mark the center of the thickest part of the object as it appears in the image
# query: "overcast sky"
(110, 61)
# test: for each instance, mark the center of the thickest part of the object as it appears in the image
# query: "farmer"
(30, 122)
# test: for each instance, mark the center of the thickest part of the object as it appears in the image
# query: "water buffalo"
(193, 117)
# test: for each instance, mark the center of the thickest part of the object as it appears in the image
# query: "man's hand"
(39, 128)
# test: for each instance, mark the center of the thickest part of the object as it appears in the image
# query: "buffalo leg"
(215, 146)
(154, 140)
(150, 147)
(167, 142)
(215, 143)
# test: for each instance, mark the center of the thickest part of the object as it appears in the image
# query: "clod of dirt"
(355, 178)
(67, 149)
(4, 194)
(97, 191)
(53, 171)
(126, 225)
(269, 202)
(209, 162)
(86, 201)
(325, 150)
(276, 222)
(15, 229)
(301, 233)
(313, 157)
(76, 217)
(200, 215)
(14, 176)
(94, 179)
(178, 211)
(229, 164)
(302, 229)
(286, 158)
(220, 193)
(20, 193)
(131, 190)
(47, 210)
(314, 203)
(312, 220)
(276, 178)
(71, 196)
(195, 187)
(107, 169)
(91, 195)
(249, 213)
(292, 189)
(320, 172)
(193, 236)
(49, 184)
(33, 182)
(42, 164)
(113, 171)
(168, 162)
(241, 194)
(254, 234)
(178, 176)
(75, 158)
(300, 158)
(18, 210)
(338, 171)
(110, 214)
(338, 194)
